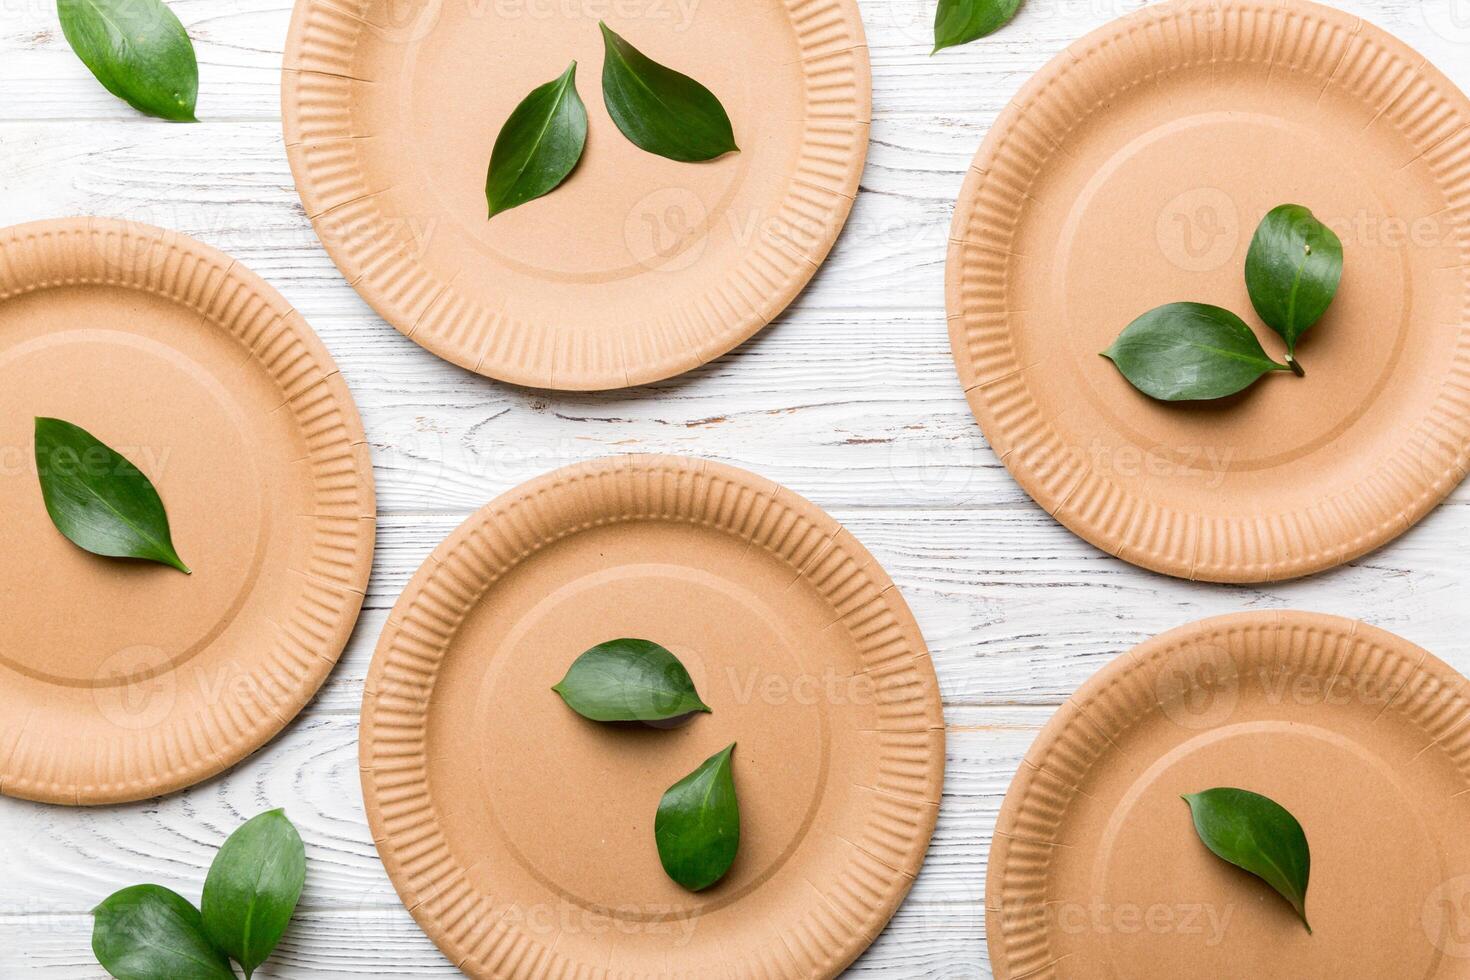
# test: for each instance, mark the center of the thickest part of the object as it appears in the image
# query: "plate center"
(584, 825)
(108, 622)
(622, 212)
(1168, 216)
(1161, 897)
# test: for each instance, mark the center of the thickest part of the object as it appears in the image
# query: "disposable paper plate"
(1132, 172)
(1097, 872)
(638, 267)
(520, 834)
(122, 679)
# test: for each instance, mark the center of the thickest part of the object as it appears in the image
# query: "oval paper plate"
(1097, 872)
(1132, 172)
(520, 834)
(124, 680)
(637, 268)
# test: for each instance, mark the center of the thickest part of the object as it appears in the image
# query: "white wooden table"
(850, 399)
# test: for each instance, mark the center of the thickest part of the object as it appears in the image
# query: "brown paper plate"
(1132, 172)
(520, 835)
(637, 268)
(122, 680)
(1096, 871)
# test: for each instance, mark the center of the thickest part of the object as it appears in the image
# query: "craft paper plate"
(520, 835)
(122, 680)
(1132, 172)
(1096, 871)
(637, 268)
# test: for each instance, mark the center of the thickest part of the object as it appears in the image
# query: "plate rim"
(1111, 686)
(1138, 530)
(300, 365)
(319, 48)
(650, 487)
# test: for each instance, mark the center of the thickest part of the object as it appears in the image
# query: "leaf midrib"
(158, 546)
(561, 91)
(616, 45)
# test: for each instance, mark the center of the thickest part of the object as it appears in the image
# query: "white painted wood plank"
(1017, 610)
(943, 942)
(239, 44)
(62, 861)
(850, 398)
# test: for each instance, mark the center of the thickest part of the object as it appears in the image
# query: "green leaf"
(1190, 352)
(1293, 270)
(150, 933)
(139, 52)
(539, 145)
(98, 499)
(963, 21)
(1257, 834)
(660, 110)
(629, 680)
(252, 888)
(698, 824)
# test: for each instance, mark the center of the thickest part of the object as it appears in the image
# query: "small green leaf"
(1253, 832)
(98, 499)
(963, 21)
(539, 145)
(629, 680)
(1190, 352)
(253, 887)
(150, 933)
(698, 824)
(139, 52)
(660, 110)
(1292, 271)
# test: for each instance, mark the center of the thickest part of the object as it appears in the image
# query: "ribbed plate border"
(1142, 48)
(1427, 692)
(134, 765)
(818, 941)
(677, 334)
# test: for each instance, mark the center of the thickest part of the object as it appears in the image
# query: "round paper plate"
(637, 268)
(1096, 870)
(121, 680)
(520, 834)
(1132, 172)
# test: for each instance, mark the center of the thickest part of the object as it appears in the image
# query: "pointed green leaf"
(698, 824)
(1257, 834)
(253, 887)
(98, 499)
(150, 933)
(539, 145)
(1190, 352)
(629, 680)
(660, 110)
(139, 52)
(1292, 271)
(963, 21)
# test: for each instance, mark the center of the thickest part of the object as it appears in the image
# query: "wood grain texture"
(850, 398)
